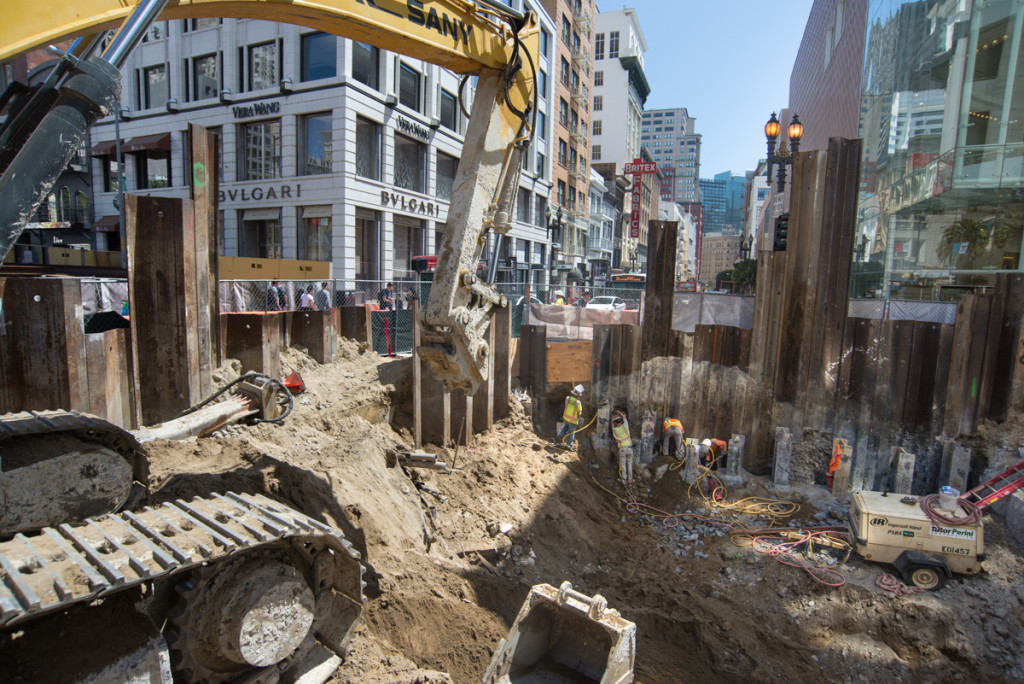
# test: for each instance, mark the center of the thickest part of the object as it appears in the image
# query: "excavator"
(229, 587)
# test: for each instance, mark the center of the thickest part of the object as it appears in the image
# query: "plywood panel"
(568, 361)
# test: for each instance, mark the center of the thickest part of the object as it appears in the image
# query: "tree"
(745, 276)
(973, 232)
(723, 277)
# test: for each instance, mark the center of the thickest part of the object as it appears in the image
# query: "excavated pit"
(436, 611)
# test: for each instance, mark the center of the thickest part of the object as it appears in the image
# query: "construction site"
(197, 490)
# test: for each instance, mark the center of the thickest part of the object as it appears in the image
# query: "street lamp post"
(783, 158)
(745, 246)
(555, 236)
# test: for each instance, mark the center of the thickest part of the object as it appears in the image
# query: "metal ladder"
(1002, 485)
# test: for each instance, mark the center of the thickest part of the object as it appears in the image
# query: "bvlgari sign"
(257, 193)
(256, 109)
(409, 204)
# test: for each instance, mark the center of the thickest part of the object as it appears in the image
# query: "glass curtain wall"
(941, 208)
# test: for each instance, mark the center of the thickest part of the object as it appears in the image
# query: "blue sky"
(727, 61)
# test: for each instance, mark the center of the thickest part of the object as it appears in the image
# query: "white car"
(607, 303)
(533, 300)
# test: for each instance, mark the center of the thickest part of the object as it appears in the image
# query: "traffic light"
(781, 232)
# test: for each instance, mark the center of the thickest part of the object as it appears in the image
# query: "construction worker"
(672, 437)
(571, 416)
(712, 451)
(624, 443)
(559, 298)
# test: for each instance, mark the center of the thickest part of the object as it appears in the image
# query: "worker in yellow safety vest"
(624, 443)
(571, 417)
(672, 438)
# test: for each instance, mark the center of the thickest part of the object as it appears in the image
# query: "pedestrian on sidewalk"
(571, 417)
(624, 443)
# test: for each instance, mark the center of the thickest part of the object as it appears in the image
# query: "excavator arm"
(483, 38)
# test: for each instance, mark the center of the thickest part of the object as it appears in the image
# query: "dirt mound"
(448, 570)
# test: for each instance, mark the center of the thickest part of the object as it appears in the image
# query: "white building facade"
(620, 86)
(330, 149)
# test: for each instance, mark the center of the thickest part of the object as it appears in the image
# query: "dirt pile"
(448, 570)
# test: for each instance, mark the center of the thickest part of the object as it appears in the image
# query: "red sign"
(638, 167)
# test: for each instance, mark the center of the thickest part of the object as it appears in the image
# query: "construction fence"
(392, 310)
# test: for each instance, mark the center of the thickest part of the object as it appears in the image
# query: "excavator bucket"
(561, 635)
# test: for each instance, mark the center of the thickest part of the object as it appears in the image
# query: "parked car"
(533, 300)
(607, 303)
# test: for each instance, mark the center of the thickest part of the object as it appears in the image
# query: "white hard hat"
(707, 443)
(578, 389)
(559, 293)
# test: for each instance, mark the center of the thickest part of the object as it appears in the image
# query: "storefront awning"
(317, 212)
(107, 224)
(103, 149)
(261, 214)
(143, 143)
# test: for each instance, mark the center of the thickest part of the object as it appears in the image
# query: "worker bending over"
(571, 416)
(712, 450)
(624, 443)
(672, 438)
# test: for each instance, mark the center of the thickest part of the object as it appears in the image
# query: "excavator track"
(58, 466)
(242, 583)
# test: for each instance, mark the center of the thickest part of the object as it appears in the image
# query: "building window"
(447, 166)
(566, 29)
(81, 206)
(563, 112)
(540, 205)
(315, 155)
(613, 45)
(575, 81)
(319, 56)
(156, 31)
(260, 236)
(598, 78)
(156, 89)
(596, 153)
(409, 88)
(368, 137)
(545, 42)
(205, 77)
(523, 206)
(199, 24)
(542, 83)
(264, 66)
(366, 64)
(572, 198)
(598, 46)
(449, 111)
(563, 72)
(542, 125)
(597, 126)
(563, 152)
(315, 234)
(598, 103)
(409, 236)
(410, 164)
(65, 211)
(109, 169)
(541, 165)
(561, 193)
(261, 150)
(367, 244)
(153, 169)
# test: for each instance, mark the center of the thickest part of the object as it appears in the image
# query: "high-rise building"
(570, 51)
(330, 149)
(620, 91)
(674, 144)
(723, 198)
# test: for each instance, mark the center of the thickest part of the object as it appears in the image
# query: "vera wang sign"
(413, 128)
(256, 109)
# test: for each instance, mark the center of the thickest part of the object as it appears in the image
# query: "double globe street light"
(784, 158)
